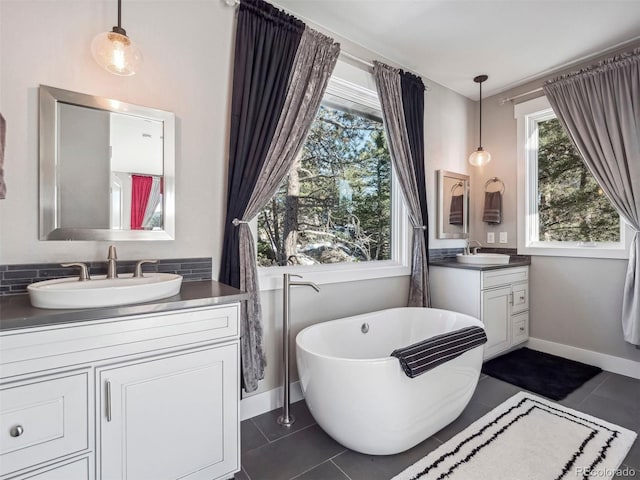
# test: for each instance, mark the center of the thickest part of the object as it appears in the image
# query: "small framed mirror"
(453, 205)
(106, 169)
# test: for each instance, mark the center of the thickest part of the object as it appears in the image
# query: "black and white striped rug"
(528, 438)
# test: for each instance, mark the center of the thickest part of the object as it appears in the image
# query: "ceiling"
(452, 41)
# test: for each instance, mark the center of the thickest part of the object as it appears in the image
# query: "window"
(337, 216)
(561, 208)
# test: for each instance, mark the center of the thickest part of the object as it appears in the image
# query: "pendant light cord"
(480, 157)
(479, 139)
(118, 28)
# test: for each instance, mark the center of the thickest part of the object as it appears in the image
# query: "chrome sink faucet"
(112, 266)
(84, 270)
(475, 249)
(137, 273)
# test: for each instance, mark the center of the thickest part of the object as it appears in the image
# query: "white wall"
(449, 133)
(578, 302)
(187, 48)
(574, 301)
(499, 138)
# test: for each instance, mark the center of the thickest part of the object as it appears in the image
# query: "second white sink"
(483, 258)
(103, 292)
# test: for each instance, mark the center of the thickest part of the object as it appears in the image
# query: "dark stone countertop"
(16, 311)
(514, 261)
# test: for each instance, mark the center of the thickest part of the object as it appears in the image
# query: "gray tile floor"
(305, 452)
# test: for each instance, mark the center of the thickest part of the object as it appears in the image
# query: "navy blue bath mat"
(542, 373)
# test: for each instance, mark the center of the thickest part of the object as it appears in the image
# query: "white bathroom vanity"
(496, 295)
(146, 391)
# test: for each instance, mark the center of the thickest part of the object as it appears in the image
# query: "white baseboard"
(622, 366)
(255, 405)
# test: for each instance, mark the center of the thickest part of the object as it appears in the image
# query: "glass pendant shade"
(480, 157)
(116, 53)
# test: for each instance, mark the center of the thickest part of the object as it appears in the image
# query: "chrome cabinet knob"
(16, 431)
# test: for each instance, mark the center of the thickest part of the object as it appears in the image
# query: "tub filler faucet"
(287, 419)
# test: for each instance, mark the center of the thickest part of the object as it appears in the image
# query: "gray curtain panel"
(599, 108)
(3, 130)
(389, 87)
(267, 40)
(314, 62)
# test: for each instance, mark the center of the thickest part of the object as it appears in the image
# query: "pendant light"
(115, 52)
(480, 157)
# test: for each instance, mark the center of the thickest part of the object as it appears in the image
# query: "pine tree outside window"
(338, 215)
(561, 209)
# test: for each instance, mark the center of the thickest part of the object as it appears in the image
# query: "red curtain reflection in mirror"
(140, 189)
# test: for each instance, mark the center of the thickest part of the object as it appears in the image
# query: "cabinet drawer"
(76, 470)
(520, 297)
(504, 276)
(43, 420)
(71, 344)
(519, 328)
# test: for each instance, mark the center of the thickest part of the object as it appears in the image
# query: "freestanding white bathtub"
(360, 395)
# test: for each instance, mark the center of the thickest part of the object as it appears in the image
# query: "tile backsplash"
(442, 253)
(15, 278)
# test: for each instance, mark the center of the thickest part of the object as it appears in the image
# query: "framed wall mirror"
(106, 169)
(453, 205)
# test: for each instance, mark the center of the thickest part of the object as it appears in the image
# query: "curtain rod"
(357, 59)
(576, 64)
(370, 65)
(511, 99)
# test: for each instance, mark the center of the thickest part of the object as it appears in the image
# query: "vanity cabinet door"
(497, 320)
(171, 418)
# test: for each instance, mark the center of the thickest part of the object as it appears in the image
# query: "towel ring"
(456, 185)
(495, 180)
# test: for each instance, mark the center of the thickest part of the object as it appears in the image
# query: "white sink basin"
(483, 258)
(103, 292)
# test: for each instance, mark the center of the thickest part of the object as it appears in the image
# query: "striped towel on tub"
(427, 354)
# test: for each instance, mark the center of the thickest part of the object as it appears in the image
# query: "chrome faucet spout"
(112, 265)
(467, 250)
(305, 284)
(84, 270)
